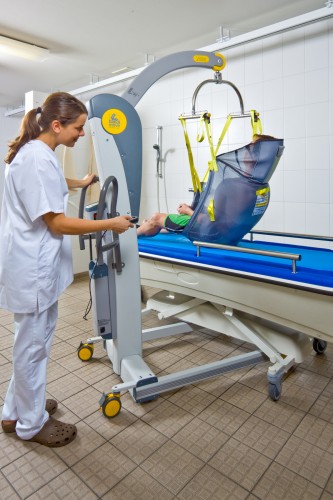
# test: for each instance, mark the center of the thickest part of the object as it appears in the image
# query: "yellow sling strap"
(194, 174)
(255, 122)
(224, 131)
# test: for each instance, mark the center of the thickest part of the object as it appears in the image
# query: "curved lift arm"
(166, 65)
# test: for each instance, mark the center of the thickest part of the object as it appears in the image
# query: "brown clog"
(9, 426)
(55, 434)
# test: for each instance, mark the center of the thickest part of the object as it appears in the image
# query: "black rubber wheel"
(274, 391)
(319, 346)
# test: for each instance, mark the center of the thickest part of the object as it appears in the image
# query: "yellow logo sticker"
(114, 121)
(200, 58)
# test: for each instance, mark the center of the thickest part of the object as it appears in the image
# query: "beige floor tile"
(329, 485)
(66, 486)
(84, 402)
(139, 410)
(172, 466)
(262, 436)
(280, 414)
(192, 399)
(110, 427)
(32, 471)
(302, 388)
(12, 448)
(138, 441)
(103, 468)
(167, 418)
(86, 441)
(210, 484)
(323, 406)
(215, 385)
(200, 439)
(306, 460)
(55, 371)
(224, 416)
(162, 358)
(6, 369)
(326, 496)
(241, 464)
(138, 485)
(316, 431)
(7, 492)
(66, 386)
(281, 483)
(244, 397)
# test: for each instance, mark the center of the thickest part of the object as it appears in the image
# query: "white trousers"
(26, 394)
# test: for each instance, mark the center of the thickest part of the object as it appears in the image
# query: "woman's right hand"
(121, 223)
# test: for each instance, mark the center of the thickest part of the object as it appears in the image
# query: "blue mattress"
(314, 271)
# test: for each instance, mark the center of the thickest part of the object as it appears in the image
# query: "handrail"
(291, 235)
(267, 253)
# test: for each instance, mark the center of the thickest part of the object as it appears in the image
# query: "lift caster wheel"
(85, 352)
(274, 391)
(319, 346)
(110, 405)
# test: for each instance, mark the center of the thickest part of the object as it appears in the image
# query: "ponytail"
(30, 129)
(58, 106)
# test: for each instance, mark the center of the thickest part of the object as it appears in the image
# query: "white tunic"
(35, 265)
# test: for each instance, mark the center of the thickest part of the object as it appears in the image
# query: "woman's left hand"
(88, 179)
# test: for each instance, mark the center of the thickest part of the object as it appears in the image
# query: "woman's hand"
(77, 183)
(120, 224)
(88, 179)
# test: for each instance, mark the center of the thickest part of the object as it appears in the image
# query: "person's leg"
(25, 398)
(152, 226)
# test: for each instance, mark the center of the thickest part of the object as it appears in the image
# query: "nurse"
(35, 259)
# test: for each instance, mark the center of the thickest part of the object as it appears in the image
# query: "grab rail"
(267, 253)
(292, 235)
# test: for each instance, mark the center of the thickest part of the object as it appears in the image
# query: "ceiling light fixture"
(22, 49)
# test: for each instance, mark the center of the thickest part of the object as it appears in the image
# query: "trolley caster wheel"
(85, 352)
(110, 405)
(319, 346)
(274, 391)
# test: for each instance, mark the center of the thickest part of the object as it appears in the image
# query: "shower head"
(156, 146)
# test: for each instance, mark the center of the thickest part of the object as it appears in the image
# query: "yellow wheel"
(111, 406)
(85, 352)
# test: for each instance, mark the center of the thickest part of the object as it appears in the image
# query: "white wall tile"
(294, 122)
(317, 219)
(273, 94)
(253, 69)
(293, 52)
(317, 119)
(317, 186)
(277, 186)
(294, 90)
(317, 151)
(295, 218)
(294, 186)
(295, 154)
(272, 57)
(316, 86)
(273, 219)
(316, 46)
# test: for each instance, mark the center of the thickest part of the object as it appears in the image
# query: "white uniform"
(35, 268)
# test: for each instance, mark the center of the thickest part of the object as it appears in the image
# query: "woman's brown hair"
(57, 106)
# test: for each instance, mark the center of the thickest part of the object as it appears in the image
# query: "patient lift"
(115, 275)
